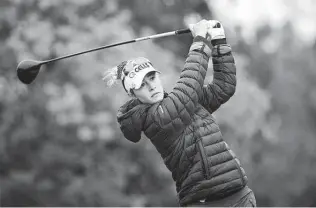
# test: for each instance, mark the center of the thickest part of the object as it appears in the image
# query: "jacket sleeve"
(131, 117)
(223, 86)
(131, 128)
(181, 103)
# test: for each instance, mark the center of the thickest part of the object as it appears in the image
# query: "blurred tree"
(164, 16)
(59, 141)
(280, 151)
(57, 134)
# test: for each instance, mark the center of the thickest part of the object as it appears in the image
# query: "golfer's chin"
(156, 98)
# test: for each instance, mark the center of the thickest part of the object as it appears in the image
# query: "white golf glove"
(215, 30)
(200, 28)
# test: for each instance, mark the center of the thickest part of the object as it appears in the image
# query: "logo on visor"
(139, 68)
(132, 74)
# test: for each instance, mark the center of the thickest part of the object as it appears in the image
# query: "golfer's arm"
(182, 101)
(224, 82)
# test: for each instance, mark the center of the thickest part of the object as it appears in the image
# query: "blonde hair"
(112, 75)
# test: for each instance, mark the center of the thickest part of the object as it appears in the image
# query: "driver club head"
(28, 70)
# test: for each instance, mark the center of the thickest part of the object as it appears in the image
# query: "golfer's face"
(151, 90)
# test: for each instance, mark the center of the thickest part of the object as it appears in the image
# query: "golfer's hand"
(215, 30)
(200, 28)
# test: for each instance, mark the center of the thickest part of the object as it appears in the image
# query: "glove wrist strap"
(218, 41)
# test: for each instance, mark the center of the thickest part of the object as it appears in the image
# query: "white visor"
(134, 79)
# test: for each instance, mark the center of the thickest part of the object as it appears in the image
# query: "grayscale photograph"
(157, 103)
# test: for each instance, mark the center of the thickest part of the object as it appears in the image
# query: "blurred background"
(60, 144)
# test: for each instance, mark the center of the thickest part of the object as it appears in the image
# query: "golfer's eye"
(142, 85)
(152, 78)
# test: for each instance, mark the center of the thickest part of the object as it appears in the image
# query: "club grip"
(182, 31)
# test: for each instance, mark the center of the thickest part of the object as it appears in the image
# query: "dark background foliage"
(60, 144)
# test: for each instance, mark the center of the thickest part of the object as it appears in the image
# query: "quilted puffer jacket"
(183, 130)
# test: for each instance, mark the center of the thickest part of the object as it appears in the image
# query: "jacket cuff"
(219, 41)
(220, 50)
(201, 44)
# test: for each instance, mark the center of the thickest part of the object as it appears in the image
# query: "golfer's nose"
(151, 86)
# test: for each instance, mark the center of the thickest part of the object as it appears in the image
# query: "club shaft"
(88, 51)
(176, 32)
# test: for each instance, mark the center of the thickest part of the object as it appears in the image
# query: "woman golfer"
(180, 124)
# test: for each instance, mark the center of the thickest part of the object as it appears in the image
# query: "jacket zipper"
(204, 160)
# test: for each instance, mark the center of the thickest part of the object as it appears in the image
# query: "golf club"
(28, 70)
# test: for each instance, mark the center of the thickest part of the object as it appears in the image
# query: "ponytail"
(112, 75)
